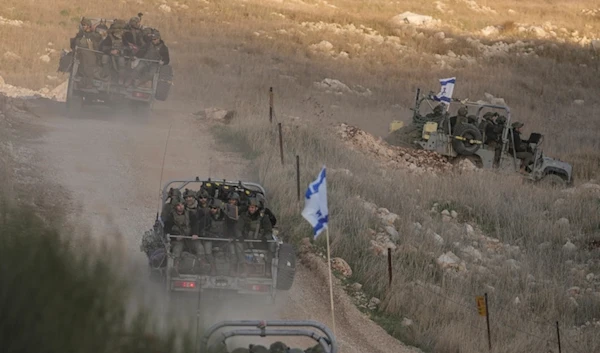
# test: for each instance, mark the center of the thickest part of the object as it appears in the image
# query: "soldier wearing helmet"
(214, 224)
(172, 196)
(154, 50)
(134, 34)
(519, 146)
(114, 50)
(256, 226)
(89, 42)
(203, 201)
(179, 222)
(191, 204)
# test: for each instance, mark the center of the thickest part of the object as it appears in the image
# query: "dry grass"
(215, 44)
(515, 214)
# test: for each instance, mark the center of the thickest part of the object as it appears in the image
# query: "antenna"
(162, 169)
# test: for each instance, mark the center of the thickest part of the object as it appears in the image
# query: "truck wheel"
(165, 78)
(74, 102)
(469, 132)
(553, 181)
(286, 268)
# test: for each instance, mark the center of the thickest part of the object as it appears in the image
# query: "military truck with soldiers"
(218, 236)
(112, 61)
(316, 331)
(482, 133)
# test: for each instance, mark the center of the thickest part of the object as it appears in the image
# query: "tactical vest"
(86, 41)
(253, 226)
(153, 52)
(217, 227)
(181, 224)
(117, 44)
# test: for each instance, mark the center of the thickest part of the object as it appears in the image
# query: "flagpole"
(330, 279)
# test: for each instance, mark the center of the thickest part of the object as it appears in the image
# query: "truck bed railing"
(262, 329)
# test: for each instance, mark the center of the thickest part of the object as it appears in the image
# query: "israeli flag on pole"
(446, 91)
(315, 204)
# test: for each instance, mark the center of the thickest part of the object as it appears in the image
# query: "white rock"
(590, 277)
(517, 301)
(390, 218)
(511, 11)
(7, 22)
(513, 264)
(393, 233)
(45, 58)
(9, 55)
(590, 186)
(469, 229)
(472, 252)
(323, 46)
(454, 214)
(406, 322)
(538, 32)
(562, 222)
(414, 19)
(446, 213)
(490, 31)
(356, 287)
(333, 85)
(439, 35)
(578, 102)
(569, 246)
(448, 260)
(165, 8)
(446, 218)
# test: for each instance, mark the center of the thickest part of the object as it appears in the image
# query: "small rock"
(406, 322)
(439, 35)
(394, 235)
(513, 264)
(446, 218)
(469, 229)
(446, 213)
(569, 246)
(578, 102)
(454, 214)
(341, 266)
(390, 218)
(448, 260)
(564, 222)
(217, 114)
(165, 8)
(472, 253)
(45, 58)
(590, 277)
(573, 302)
(559, 202)
(374, 303)
(574, 291)
(356, 287)
(517, 301)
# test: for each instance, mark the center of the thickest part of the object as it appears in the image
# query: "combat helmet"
(278, 347)
(189, 193)
(463, 111)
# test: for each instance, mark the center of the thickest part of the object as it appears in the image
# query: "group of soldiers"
(126, 51)
(199, 214)
(278, 347)
(491, 127)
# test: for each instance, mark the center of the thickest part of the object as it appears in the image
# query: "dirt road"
(111, 167)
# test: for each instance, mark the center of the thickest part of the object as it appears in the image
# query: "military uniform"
(151, 51)
(114, 42)
(185, 224)
(257, 226)
(88, 60)
(519, 146)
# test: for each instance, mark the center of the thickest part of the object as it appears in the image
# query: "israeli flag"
(446, 91)
(315, 204)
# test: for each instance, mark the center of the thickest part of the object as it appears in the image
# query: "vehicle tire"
(141, 109)
(165, 78)
(470, 132)
(286, 268)
(554, 181)
(74, 102)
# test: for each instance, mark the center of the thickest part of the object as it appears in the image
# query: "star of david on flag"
(446, 90)
(315, 204)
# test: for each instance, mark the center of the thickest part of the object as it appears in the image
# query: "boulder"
(410, 18)
(448, 260)
(216, 114)
(341, 266)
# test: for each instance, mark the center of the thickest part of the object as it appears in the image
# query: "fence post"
(487, 319)
(280, 143)
(298, 176)
(558, 337)
(389, 267)
(270, 104)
